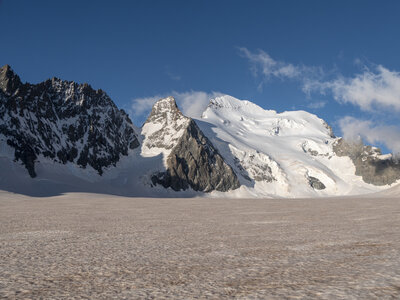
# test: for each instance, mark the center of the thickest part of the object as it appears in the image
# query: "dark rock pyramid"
(192, 161)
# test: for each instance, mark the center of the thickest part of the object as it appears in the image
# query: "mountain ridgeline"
(61, 127)
(63, 121)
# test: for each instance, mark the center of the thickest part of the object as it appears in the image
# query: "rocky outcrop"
(252, 165)
(191, 159)
(315, 183)
(62, 121)
(369, 162)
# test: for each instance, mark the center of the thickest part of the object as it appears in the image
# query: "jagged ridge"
(63, 121)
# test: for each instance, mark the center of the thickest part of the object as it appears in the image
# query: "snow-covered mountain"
(289, 154)
(60, 136)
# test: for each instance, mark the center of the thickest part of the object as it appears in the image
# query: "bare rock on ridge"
(369, 162)
(192, 160)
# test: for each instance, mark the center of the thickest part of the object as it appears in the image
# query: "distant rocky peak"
(168, 103)
(163, 127)
(165, 111)
(9, 81)
(81, 94)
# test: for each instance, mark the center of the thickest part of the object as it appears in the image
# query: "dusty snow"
(105, 247)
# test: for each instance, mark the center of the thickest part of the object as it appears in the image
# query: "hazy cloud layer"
(354, 129)
(262, 62)
(263, 66)
(317, 104)
(193, 103)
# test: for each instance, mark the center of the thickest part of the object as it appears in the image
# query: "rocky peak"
(190, 159)
(9, 81)
(77, 94)
(62, 121)
(165, 111)
(163, 127)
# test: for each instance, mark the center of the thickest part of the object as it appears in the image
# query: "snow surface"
(295, 145)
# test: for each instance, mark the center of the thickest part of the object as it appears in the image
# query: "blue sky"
(338, 59)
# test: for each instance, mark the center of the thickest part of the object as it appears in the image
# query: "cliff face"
(191, 159)
(62, 121)
(369, 163)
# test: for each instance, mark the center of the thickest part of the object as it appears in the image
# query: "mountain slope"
(62, 121)
(286, 154)
(190, 160)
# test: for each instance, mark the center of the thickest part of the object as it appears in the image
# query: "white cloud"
(368, 90)
(191, 103)
(140, 106)
(173, 76)
(262, 61)
(264, 66)
(354, 129)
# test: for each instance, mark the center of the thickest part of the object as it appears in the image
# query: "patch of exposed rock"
(62, 121)
(369, 162)
(192, 161)
(253, 165)
(327, 126)
(315, 183)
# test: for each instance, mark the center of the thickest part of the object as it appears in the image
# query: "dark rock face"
(315, 183)
(195, 163)
(63, 121)
(193, 160)
(327, 126)
(369, 165)
(8, 80)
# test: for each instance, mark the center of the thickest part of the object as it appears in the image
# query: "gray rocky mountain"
(62, 121)
(369, 162)
(191, 159)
